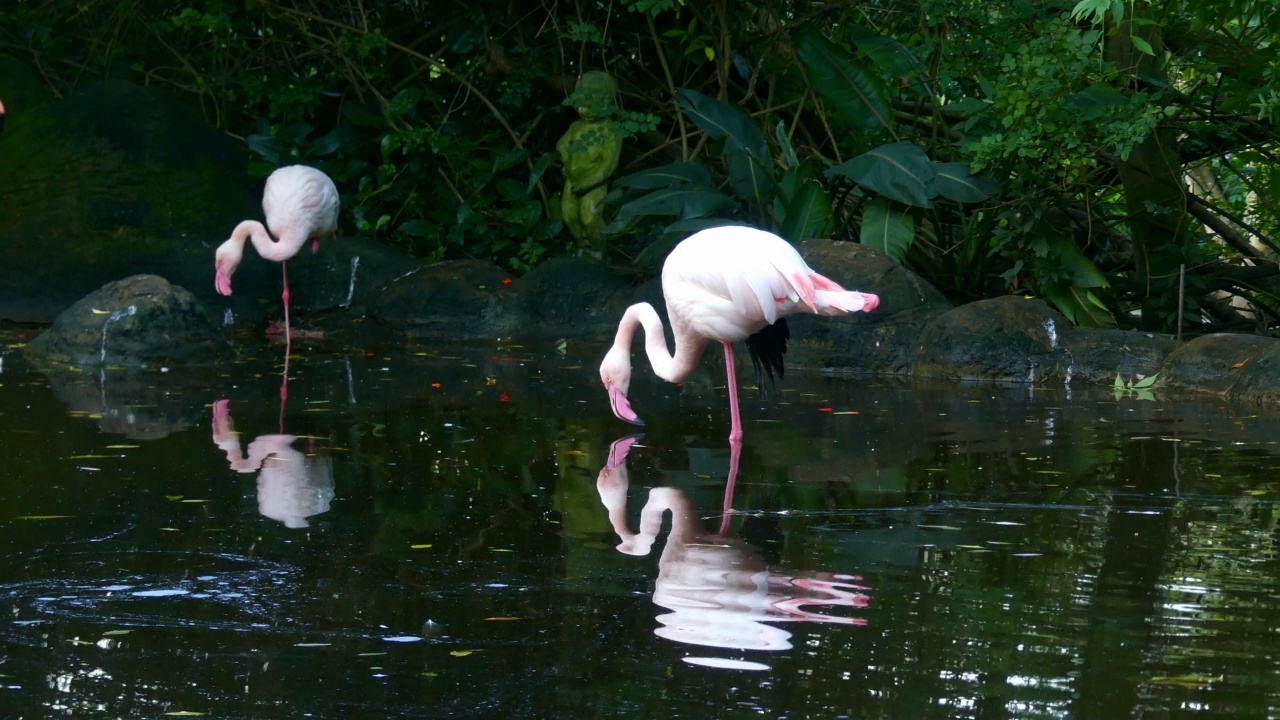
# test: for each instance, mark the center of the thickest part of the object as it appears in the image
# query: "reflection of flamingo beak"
(1, 117)
(621, 406)
(315, 245)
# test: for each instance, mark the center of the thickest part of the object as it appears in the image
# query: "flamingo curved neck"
(266, 246)
(665, 365)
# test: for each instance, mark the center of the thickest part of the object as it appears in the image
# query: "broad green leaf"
(807, 214)
(1146, 382)
(849, 90)
(789, 158)
(1143, 46)
(1080, 306)
(1065, 254)
(679, 202)
(1119, 384)
(665, 176)
(750, 180)
(887, 228)
(899, 171)
(892, 58)
(954, 181)
(721, 121)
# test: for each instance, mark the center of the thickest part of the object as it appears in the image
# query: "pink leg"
(735, 450)
(284, 273)
(284, 380)
(735, 429)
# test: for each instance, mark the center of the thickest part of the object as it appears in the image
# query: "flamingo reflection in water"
(292, 485)
(718, 588)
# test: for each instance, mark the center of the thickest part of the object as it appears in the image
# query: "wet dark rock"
(1009, 339)
(1212, 363)
(568, 297)
(1098, 354)
(143, 320)
(1259, 379)
(346, 276)
(454, 300)
(882, 341)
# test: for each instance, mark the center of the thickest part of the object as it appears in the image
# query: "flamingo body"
(300, 204)
(722, 284)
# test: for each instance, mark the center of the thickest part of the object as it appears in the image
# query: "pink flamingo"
(300, 204)
(725, 284)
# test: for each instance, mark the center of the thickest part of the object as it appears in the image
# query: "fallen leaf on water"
(117, 632)
(826, 409)
(96, 311)
(1239, 365)
(461, 653)
(195, 500)
(494, 549)
(420, 547)
(90, 457)
(940, 527)
(1004, 522)
(847, 412)
(173, 498)
(311, 645)
(43, 517)
(184, 713)
(122, 447)
(971, 547)
(501, 619)
(370, 654)
(1187, 681)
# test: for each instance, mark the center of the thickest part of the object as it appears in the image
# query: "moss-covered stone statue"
(589, 150)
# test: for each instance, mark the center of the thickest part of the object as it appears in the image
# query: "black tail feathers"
(766, 348)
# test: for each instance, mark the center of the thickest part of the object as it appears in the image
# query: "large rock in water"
(139, 321)
(882, 341)
(1212, 363)
(1010, 339)
(453, 300)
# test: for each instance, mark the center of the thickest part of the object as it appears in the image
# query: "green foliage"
(1032, 148)
(1137, 387)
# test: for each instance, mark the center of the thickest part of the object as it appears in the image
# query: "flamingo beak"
(619, 449)
(870, 302)
(621, 406)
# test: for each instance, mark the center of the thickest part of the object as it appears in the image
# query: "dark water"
(443, 532)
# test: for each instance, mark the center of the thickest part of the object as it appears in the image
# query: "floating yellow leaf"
(494, 549)
(122, 447)
(90, 457)
(172, 498)
(461, 653)
(184, 713)
(422, 546)
(117, 632)
(501, 619)
(311, 645)
(371, 654)
(196, 500)
(43, 517)
(940, 527)
(96, 311)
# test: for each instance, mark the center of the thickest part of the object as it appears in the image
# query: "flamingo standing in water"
(725, 284)
(300, 204)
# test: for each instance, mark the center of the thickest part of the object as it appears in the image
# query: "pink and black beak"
(621, 405)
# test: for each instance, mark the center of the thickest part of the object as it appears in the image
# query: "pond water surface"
(424, 531)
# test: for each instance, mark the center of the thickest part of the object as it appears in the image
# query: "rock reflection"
(292, 485)
(718, 588)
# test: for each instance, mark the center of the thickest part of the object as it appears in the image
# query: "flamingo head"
(225, 263)
(615, 374)
(869, 301)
